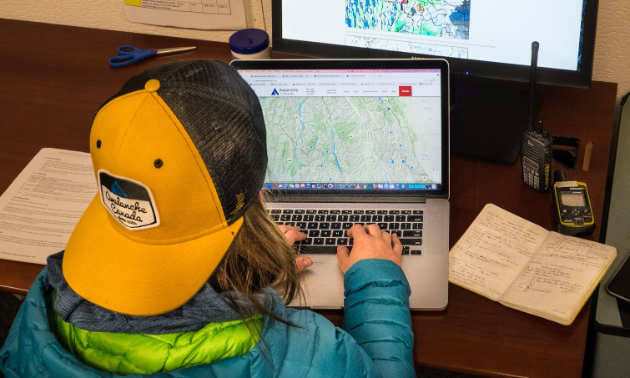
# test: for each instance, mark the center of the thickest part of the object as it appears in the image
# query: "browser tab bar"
(413, 83)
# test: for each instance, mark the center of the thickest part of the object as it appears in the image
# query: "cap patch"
(129, 202)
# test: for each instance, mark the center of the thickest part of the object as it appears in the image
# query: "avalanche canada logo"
(275, 92)
(129, 202)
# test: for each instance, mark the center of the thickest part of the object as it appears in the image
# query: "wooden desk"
(53, 78)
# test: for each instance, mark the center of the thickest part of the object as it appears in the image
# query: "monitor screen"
(352, 129)
(486, 38)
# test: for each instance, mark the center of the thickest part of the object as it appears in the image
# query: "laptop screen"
(353, 128)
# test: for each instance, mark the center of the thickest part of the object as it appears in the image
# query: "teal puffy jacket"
(379, 341)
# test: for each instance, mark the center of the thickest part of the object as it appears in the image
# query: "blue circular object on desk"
(249, 41)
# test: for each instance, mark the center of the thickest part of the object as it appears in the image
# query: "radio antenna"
(532, 86)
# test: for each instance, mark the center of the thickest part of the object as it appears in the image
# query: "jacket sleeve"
(376, 315)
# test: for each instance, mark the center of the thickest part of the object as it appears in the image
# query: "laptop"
(359, 141)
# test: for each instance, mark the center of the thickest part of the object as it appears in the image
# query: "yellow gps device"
(572, 206)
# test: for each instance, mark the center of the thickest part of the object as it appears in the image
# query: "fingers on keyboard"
(326, 229)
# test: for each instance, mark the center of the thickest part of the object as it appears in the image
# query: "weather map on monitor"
(428, 17)
(498, 31)
(434, 18)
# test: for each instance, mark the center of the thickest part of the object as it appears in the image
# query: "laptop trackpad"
(323, 283)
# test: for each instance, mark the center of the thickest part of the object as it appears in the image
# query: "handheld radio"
(572, 204)
(536, 144)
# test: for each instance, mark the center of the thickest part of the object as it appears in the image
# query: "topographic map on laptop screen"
(353, 139)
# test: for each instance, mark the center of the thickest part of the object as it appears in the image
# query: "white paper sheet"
(191, 14)
(42, 206)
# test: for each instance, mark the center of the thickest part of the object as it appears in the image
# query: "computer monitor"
(479, 38)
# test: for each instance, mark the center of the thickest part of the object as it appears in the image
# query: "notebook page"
(560, 277)
(493, 251)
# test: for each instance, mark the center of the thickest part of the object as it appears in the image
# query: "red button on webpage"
(404, 90)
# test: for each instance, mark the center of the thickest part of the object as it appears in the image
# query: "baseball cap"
(179, 154)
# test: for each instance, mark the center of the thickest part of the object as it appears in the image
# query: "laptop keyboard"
(327, 229)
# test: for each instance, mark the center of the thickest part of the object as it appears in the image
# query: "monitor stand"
(487, 120)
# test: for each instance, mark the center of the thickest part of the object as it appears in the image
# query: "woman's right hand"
(370, 242)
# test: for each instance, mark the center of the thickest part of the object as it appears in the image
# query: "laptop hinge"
(346, 199)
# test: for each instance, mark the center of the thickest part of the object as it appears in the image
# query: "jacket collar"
(207, 306)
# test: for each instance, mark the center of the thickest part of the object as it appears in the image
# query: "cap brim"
(117, 273)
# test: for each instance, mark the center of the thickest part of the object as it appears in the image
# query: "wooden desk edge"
(18, 276)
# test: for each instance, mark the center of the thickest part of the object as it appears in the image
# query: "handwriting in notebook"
(521, 265)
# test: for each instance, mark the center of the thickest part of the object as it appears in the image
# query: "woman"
(175, 267)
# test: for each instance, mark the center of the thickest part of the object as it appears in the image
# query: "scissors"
(130, 54)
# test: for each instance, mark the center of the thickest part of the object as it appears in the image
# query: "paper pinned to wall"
(191, 14)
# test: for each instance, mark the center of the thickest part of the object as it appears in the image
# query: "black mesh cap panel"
(223, 117)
